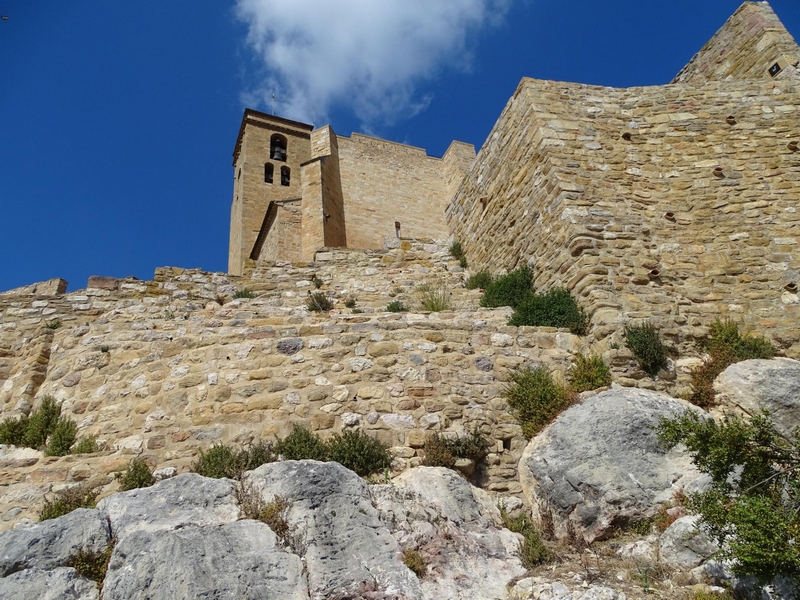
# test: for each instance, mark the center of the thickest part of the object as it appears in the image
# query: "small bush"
(12, 431)
(302, 444)
(589, 373)
(274, 515)
(41, 423)
(92, 565)
(535, 398)
(137, 475)
(726, 595)
(244, 293)
(223, 461)
(396, 306)
(724, 346)
(532, 551)
(350, 303)
(472, 446)
(456, 250)
(62, 438)
(416, 562)
(359, 452)
(87, 445)
(556, 308)
(318, 302)
(645, 343)
(54, 324)
(438, 452)
(509, 290)
(79, 496)
(434, 297)
(316, 281)
(480, 280)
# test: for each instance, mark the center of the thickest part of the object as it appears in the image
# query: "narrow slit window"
(277, 147)
(269, 169)
(286, 175)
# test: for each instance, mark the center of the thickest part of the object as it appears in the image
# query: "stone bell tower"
(267, 157)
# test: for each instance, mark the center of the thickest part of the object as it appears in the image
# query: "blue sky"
(119, 118)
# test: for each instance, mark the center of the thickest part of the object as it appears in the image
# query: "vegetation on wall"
(724, 346)
(359, 452)
(396, 306)
(137, 475)
(480, 280)
(457, 252)
(318, 302)
(434, 296)
(752, 509)
(442, 451)
(44, 429)
(555, 308)
(223, 461)
(645, 342)
(65, 501)
(589, 373)
(535, 398)
(509, 290)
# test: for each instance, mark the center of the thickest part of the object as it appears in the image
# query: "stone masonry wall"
(648, 203)
(283, 238)
(749, 43)
(161, 370)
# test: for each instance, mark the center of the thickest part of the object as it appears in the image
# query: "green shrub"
(87, 445)
(434, 297)
(223, 461)
(751, 508)
(302, 444)
(92, 565)
(438, 452)
(645, 343)
(532, 551)
(443, 452)
(589, 373)
(480, 280)
(396, 306)
(359, 452)
(244, 293)
(79, 496)
(726, 595)
(54, 324)
(318, 302)
(556, 308)
(535, 398)
(137, 475)
(41, 423)
(415, 562)
(456, 250)
(62, 438)
(350, 303)
(274, 515)
(12, 431)
(724, 346)
(509, 290)
(316, 281)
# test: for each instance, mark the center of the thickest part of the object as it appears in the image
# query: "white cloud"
(367, 55)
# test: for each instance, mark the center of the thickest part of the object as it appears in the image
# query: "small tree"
(751, 509)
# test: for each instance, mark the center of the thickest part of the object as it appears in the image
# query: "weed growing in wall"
(457, 252)
(92, 565)
(535, 398)
(479, 281)
(223, 461)
(434, 297)
(359, 452)
(589, 373)
(350, 302)
(41, 430)
(645, 343)
(62, 438)
(415, 562)
(318, 302)
(724, 346)
(443, 452)
(137, 475)
(555, 308)
(396, 306)
(87, 445)
(244, 293)
(54, 324)
(509, 290)
(65, 501)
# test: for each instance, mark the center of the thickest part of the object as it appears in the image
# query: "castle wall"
(599, 213)
(384, 182)
(282, 242)
(749, 43)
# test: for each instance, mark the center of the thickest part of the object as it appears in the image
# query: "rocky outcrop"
(751, 386)
(181, 539)
(684, 546)
(599, 465)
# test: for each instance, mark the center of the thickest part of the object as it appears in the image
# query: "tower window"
(286, 174)
(277, 147)
(269, 169)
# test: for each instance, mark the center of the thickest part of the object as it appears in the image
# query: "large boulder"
(347, 549)
(684, 546)
(599, 465)
(239, 560)
(456, 528)
(188, 499)
(49, 544)
(62, 583)
(751, 386)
